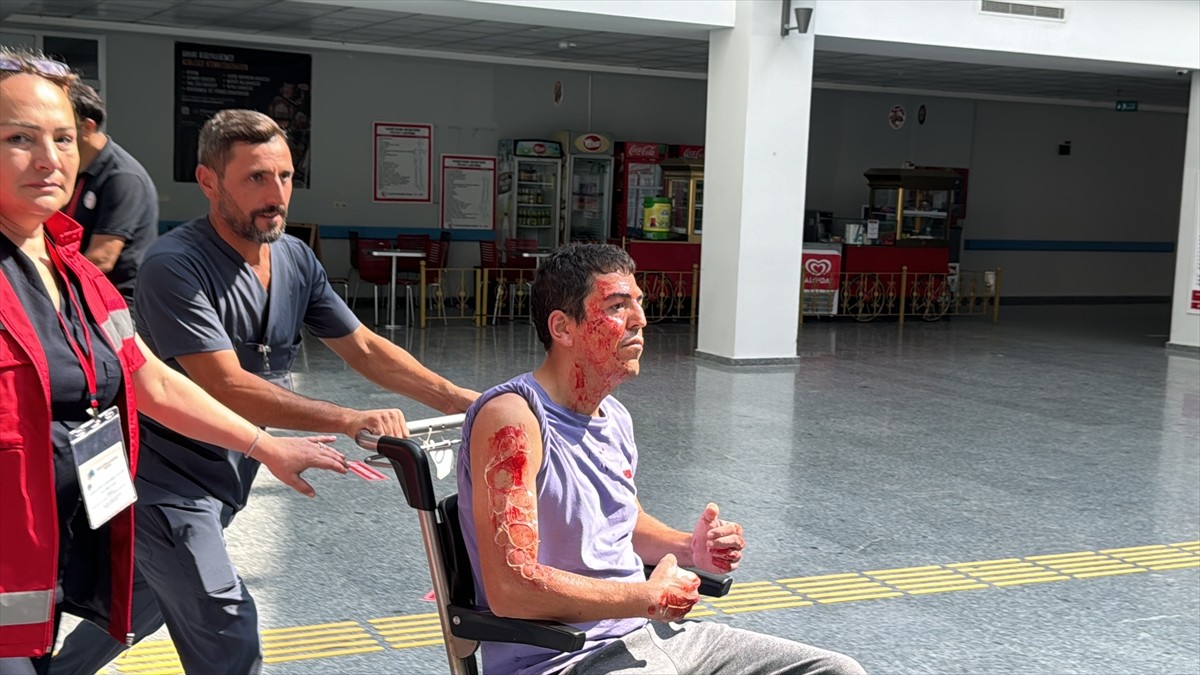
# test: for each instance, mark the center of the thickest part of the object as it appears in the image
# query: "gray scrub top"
(196, 294)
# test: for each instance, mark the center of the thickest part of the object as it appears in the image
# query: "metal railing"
(483, 295)
(904, 294)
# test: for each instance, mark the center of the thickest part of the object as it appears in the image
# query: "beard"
(242, 223)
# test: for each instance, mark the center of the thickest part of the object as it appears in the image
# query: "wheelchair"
(464, 625)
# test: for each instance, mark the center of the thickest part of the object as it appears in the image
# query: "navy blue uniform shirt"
(196, 294)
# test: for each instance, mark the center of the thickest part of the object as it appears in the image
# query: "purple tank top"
(587, 507)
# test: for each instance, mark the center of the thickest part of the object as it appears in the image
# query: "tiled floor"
(1059, 430)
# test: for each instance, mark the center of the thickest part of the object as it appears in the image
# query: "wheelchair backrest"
(454, 554)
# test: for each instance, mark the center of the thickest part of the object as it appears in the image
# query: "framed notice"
(402, 171)
(468, 192)
(211, 78)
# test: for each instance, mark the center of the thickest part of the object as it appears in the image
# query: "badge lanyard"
(98, 445)
(87, 361)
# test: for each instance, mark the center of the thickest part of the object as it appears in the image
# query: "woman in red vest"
(73, 376)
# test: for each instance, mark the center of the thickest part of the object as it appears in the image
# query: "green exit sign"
(1126, 106)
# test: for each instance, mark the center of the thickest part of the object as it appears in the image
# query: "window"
(84, 53)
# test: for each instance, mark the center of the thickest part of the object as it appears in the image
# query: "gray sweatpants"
(694, 647)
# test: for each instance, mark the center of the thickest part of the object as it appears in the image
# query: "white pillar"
(755, 167)
(1185, 324)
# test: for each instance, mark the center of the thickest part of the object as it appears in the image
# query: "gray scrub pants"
(686, 647)
(208, 610)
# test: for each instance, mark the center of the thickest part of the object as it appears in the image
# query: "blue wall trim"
(1073, 246)
(341, 232)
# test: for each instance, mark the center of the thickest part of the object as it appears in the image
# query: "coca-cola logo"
(818, 267)
(642, 151)
(539, 148)
(693, 153)
(592, 142)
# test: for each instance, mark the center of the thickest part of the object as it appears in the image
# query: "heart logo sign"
(818, 267)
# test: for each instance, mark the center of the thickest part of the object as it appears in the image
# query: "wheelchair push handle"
(369, 441)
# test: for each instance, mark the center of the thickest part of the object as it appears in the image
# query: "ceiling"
(339, 25)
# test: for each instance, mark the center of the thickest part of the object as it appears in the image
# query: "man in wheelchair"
(549, 510)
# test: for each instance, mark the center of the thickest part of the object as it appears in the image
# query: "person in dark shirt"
(224, 299)
(115, 201)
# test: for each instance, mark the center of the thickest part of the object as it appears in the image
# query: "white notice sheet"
(402, 153)
(468, 192)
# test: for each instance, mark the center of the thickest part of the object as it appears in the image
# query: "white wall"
(850, 134)
(1155, 32)
(472, 106)
(1185, 324)
(1120, 184)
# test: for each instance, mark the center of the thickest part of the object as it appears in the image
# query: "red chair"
(376, 270)
(435, 262)
(411, 242)
(513, 250)
(514, 259)
(410, 268)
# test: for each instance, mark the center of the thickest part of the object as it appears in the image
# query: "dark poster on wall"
(211, 78)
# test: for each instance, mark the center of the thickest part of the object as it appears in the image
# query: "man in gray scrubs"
(223, 298)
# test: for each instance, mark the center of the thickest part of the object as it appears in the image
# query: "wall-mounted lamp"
(803, 17)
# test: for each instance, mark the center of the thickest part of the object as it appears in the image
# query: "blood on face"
(612, 317)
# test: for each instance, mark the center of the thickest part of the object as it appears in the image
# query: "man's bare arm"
(506, 453)
(393, 368)
(653, 539)
(266, 404)
(103, 251)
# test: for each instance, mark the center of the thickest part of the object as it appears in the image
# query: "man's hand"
(716, 545)
(672, 590)
(287, 458)
(460, 400)
(378, 422)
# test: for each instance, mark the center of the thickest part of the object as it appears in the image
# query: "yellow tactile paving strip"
(422, 630)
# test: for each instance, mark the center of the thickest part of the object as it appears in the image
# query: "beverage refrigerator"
(637, 176)
(529, 192)
(589, 164)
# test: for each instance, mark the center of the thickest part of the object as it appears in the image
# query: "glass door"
(697, 208)
(536, 194)
(589, 198)
(679, 190)
(645, 180)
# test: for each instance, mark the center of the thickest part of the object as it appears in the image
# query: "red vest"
(29, 524)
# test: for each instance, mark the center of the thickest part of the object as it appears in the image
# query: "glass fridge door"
(589, 199)
(679, 192)
(645, 180)
(536, 195)
(698, 209)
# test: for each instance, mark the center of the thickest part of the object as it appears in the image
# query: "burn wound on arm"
(512, 502)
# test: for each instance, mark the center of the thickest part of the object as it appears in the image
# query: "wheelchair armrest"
(480, 624)
(712, 585)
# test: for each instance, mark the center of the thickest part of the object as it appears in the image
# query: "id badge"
(104, 480)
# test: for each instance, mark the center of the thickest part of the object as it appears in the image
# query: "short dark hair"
(87, 103)
(566, 277)
(229, 127)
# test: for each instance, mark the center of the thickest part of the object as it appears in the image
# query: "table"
(538, 255)
(395, 254)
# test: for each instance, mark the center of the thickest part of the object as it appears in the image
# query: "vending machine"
(638, 176)
(589, 165)
(529, 191)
